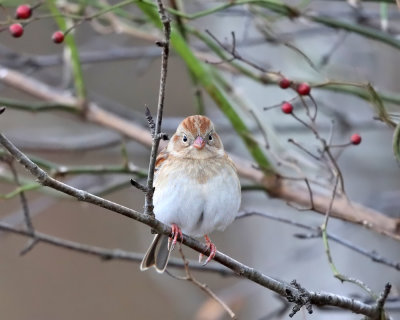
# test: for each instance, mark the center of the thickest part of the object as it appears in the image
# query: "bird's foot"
(213, 251)
(175, 233)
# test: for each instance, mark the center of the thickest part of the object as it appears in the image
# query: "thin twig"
(203, 286)
(327, 56)
(24, 201)
(382, 299)
(335, 271)
(161, 97)
(298, 145)
(235, 54)
(25, 208)
(138, 185)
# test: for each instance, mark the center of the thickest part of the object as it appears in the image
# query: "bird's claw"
(175, 233)
(213, 251)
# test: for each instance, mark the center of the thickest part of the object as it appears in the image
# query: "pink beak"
(199, 143)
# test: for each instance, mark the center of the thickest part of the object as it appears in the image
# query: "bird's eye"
(184, 138)
(210, 138)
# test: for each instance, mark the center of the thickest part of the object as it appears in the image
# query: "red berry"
(23, 11)
(355, 139)
(16, 30)
(287, 108)
(57, 37)
(285, 83)
(303, 89)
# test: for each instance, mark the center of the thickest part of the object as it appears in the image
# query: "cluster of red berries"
(302, 89)
(23, 12)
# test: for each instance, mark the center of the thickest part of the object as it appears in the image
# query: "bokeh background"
(55, 283)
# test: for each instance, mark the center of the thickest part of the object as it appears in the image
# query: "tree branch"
(282, 288)
(148, 206)
(109, 254)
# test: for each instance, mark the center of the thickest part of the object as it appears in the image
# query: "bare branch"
(148, 206)
(282, 288)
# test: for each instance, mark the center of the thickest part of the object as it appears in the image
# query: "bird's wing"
(162, 156)
(230, 161)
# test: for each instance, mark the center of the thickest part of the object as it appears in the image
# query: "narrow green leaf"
(70, 42)
(380, 108)
(396, 142)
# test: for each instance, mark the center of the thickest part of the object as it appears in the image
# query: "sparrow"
(197, 189)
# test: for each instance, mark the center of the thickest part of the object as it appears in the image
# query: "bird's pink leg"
(176, 231)
(213, 250)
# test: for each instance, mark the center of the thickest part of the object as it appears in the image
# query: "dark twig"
(236, 266)
(382, 299)
(325, 149)
(235, 54)
(148, 207)
(138, 186)
(298, 145)
(308, 185)
(327, 56)
(263, 132)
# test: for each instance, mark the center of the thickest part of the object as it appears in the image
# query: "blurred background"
(55, 283)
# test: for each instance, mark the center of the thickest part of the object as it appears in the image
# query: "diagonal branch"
(280, 287)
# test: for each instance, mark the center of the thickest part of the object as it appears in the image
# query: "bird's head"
(196, 138)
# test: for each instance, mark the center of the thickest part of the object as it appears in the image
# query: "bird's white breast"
(199, 197)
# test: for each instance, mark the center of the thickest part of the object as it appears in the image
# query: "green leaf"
(396, 142)
(70, 42)
(380, 108)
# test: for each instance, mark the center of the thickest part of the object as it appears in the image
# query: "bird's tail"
(157, 255)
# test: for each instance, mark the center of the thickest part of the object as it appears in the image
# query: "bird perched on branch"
(197, 189)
